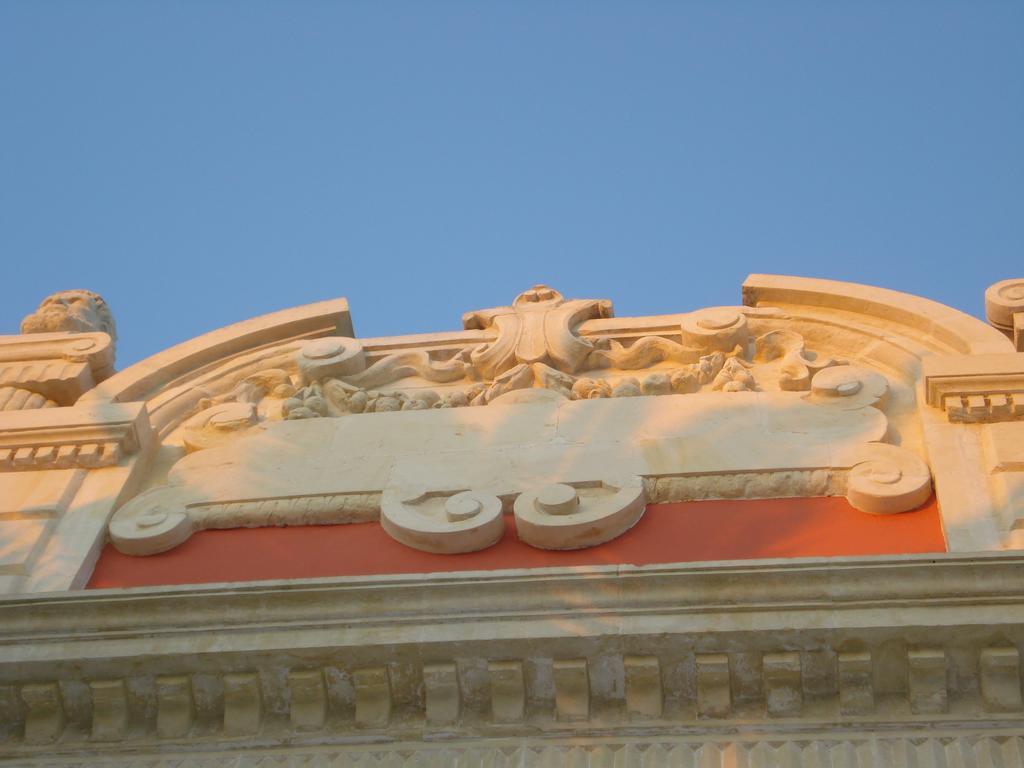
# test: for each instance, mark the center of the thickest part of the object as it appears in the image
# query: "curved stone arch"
(940, 348)
(944, 329)
(171, 381)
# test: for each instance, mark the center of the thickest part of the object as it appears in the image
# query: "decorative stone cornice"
(778, 647)
(439, 607)
(947, 747)
(976, 388)
(87, 436)
(58, 366)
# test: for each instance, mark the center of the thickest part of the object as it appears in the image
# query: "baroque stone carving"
(537, 328)
(574, 472)
(537, 361)
(504, 648)
(536, 345)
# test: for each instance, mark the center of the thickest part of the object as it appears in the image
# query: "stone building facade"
(785, 533)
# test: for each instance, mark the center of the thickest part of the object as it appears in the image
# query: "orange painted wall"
(668, 533)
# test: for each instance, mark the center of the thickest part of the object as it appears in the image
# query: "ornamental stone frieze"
(885, 661)
(493, 482)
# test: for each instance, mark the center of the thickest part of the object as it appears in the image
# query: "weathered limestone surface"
(848, 654)
(570, 419)
(813, 388)
(440, 436)
(77, 440)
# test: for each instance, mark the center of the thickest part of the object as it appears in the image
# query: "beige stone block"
(508, 691)
(175, 706)
(999, 672)
(926, 683)
(44, 716)
(373, 697)
(109, 710)
(441, 692)
(67, 560)
(21, 541)
(308, 708)
(1007, 441)
(243, 704)
(714, 699)
(643, 686)
(572, 689)
(44, 493)
(856, 686)
(782, 684)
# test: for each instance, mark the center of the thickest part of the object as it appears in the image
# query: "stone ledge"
(976, 388)
(87, 436)
(798, 592)
(926, 747)
(870, 640)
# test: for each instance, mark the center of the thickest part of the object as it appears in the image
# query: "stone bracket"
(976, 388)
(88, 436)
(508, 691)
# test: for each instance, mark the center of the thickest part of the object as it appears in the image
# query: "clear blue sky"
(201, 163)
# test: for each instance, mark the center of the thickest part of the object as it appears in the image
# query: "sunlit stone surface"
(498, 456)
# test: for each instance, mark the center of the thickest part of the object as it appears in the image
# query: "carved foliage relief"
(603, 417)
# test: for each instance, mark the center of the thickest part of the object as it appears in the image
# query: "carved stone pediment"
(561, 415)
(572, 348)
(558, 419)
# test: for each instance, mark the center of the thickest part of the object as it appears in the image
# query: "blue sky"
(201, 163)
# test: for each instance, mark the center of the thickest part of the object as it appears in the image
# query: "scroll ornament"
(446, 479)
(559, 490)
(536, 345)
